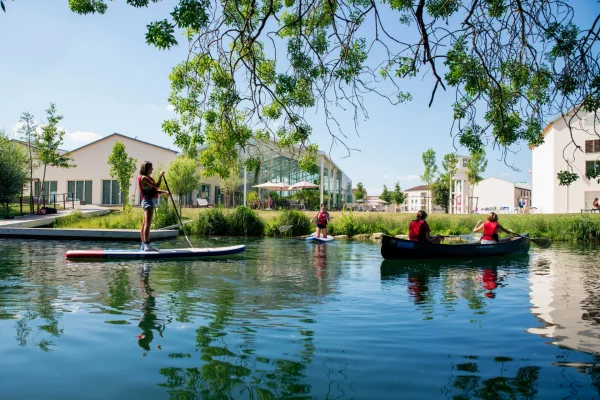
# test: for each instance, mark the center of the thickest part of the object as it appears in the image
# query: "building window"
(111, 194)
(464, 163)
(592, 146)
(218, 195)
(589, 166)
(49, 190)
(80, 190)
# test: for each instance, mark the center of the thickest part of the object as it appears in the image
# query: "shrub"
(244, 222)
(299, 220)
(210, 222)
(68, 220)
(164, 216)
(346, 225)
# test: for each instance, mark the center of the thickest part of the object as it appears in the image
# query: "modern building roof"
(419, 188)
(128, 137)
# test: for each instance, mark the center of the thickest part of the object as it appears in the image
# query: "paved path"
(32, 221)
(28, 226)
(84, 234)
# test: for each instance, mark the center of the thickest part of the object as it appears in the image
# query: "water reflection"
(565, 297)
(308, 321)
(149, 320)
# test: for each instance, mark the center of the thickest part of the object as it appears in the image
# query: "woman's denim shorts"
(148, 203)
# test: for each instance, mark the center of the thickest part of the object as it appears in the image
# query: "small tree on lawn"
(566, 178)
(13, 170)
(47, 144)
(476, 165)
(450, 165)
(360, 192)
(440, 192)
(27, 132)
(398, 196)
(386, 195)
(122, 168)
(429, 172)
(183, 177)
(230, 183)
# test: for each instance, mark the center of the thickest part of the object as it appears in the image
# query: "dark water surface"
(289, 319)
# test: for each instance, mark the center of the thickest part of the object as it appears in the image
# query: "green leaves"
(191, 14)
(161, 34)
(442, 8)
(88, 6)
(122, 168)
(430, 166)
(566, 178)
(386, 195)
(398, 195)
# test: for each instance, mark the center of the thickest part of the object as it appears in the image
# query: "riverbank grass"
(242, 221)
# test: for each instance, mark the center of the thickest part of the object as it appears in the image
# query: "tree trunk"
(43, 183)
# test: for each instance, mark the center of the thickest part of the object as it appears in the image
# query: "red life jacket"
(490, 231)
(151, 193)
(322, 218)
(414, 231)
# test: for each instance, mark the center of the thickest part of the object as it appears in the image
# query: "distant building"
(501, 196)
(419, 198)
(461, 192)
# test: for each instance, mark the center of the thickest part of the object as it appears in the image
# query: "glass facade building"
(281, 165)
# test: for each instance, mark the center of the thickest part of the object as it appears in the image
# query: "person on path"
(419, 231)
(149, 190)
(490, 229)
(322, 219)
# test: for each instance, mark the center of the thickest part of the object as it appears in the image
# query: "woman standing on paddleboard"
(149, 191)
(322, 218)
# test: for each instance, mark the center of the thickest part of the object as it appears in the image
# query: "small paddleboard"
(168, 253)
(312, 238)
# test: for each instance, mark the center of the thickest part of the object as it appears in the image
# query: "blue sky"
(104, 79)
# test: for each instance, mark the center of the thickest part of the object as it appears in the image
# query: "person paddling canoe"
(322, 219)
(419, 231)
(490, 229)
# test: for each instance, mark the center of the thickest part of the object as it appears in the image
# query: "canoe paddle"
(543, 243)
(177, 212)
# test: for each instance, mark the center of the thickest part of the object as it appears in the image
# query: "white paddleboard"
(168, 253)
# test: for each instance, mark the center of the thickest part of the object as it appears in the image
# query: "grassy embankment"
(242, 221)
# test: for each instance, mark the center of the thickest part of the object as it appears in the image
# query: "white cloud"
(82, 137)
(386, 177)
(170, 107)
(408, 177)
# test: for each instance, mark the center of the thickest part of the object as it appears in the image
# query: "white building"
(89, 180)
(499, 195)
(548, 159)
(462, 191)
(419, 198)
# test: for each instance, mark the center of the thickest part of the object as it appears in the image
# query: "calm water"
(294, 320)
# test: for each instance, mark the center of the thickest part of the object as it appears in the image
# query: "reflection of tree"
(522, 385)
(225, 369)
(45, 314)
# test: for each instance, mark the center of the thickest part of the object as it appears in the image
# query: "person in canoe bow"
(322, 218)
(419, 231)
(149, 190)
(490, 229)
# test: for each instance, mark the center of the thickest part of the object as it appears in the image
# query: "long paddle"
(177, 212)
(543, 243)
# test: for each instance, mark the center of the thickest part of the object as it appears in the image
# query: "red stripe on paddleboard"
(84, 254)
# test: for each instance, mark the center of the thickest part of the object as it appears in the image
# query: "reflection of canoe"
(394, 248)
(169, 253)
